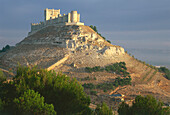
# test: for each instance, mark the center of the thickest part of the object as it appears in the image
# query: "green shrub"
(95, 78)
(109, 41)
(88, 69)
(105, 90)
(2, 77)
(165, 71)
(1, 105)
(143, 106)
(95, 29)
(93, 92)
(118, 68)
(103, 110)
(6, 48)
(89, 85)
(32, 103)
(104, 86)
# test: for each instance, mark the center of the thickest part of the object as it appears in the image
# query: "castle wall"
(53, 17)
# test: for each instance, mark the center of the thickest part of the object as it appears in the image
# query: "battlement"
(53, 17)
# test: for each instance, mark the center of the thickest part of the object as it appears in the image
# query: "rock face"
(74, 38)
(58, 41)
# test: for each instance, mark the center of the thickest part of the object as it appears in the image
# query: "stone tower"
(51, 14)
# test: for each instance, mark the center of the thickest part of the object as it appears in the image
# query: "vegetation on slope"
(6, 48)
(111, 85)
(103, 109)
(165, 71)
(95, 29)
(117, 68)
(143, 106)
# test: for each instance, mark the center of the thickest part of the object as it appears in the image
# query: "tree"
(166, 71)
(95, 29)
(103, 110)
(1, 105)
(144, 106)
(2, 77)
(109, 41)
(91, 26)
(123, 109)
(32, 103)
(4, 49)
(66, 94)
(7, 47)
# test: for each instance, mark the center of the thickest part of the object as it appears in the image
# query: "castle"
(53, 17)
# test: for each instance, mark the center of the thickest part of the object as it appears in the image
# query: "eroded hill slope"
(85, 48)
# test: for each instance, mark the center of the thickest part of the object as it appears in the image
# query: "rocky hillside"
(51, 44)
(85, 48)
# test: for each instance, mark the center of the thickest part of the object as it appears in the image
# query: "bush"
(118, 68)
(1, 105)
(2, 77)
(88, 78)
(88, 69)
(32, 103)
(166, 71)
(6, 48)
(95, 29)
(93, 92)
(109, 41)
(105, 90)
(105, 86)
(89, 86)
(103, 110)
(143, 106)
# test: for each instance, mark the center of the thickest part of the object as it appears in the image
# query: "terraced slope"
(145, 80)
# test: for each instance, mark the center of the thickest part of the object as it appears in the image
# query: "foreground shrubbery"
(54, 93)
(144, 106)
(32, 103)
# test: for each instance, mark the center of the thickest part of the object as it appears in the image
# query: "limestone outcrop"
(75, 38)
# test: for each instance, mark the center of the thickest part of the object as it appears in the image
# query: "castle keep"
(53, 17)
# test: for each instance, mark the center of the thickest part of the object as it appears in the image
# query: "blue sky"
(128, 23)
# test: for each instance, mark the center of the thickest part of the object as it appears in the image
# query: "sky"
(132, 24)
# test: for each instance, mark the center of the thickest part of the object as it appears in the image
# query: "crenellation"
(53, 17)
